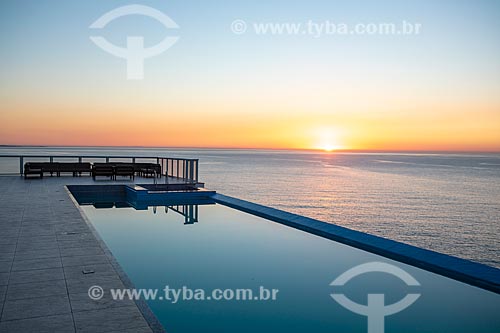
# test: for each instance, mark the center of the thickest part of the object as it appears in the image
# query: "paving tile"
(39, 210)
(105, 320)
(42, 216)
(5, 266)
(32, 246)
(42, 263)
(78, 243)
(36, 289)
(4, 278)
(5, 256)
(37, 254)
(37, 275)
(68, 236)
(79, 286)
(11, 221)
(12, 215)
(50, 324)
(3, 291)
(10, 226)
(76, 272)
(66, 213)
(8, 238)
(35, 307)
(78, 227)
(37, 225)
(36, 239)
(84, 260)
(35, 232)
(81, 251)
(8, 247)
(36, 229)
(82, 302)
(29, 219)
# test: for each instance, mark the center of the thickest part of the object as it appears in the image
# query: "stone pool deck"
(45, 244)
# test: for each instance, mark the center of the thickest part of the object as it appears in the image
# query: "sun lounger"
(103, 169)
(124, 170)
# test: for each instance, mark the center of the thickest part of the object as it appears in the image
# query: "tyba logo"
(135, 52)
(376, 310)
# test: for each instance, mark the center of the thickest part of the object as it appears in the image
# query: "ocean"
(448, 203)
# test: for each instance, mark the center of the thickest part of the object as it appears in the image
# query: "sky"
(436, 90)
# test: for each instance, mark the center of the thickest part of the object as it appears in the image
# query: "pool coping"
(469, 272)
(143, 307)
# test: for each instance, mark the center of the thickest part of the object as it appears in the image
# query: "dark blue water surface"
(226, 248)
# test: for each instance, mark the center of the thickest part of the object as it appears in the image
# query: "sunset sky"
(439, 90)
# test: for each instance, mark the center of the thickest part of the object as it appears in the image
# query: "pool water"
(211, 246)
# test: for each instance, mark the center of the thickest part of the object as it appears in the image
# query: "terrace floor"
(45, 245)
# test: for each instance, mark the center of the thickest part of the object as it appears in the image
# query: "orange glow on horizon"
(452, 129)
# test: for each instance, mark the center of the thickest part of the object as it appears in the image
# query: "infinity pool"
(210, 246)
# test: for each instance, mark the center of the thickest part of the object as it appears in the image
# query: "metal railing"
(183, 169)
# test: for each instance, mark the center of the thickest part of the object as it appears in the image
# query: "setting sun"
(327, 139)
(330, 147)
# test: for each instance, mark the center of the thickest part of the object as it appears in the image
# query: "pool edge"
(466, 271)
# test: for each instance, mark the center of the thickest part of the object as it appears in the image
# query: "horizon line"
(262, 148)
